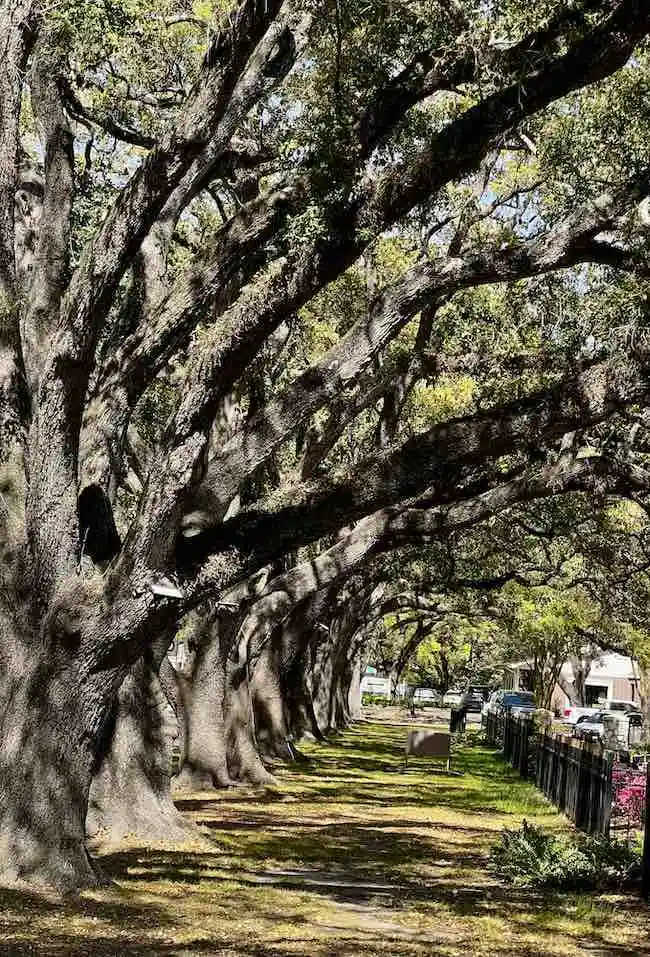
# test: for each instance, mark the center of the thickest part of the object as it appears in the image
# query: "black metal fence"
(575, 775)
(494, 725)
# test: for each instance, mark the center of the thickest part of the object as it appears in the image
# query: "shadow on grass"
(20, 906)
(324, 865)
(340, 878)
(21, 911)
(121, 930)
(370, 857)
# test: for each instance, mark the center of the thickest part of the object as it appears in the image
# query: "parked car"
(572, 715)
(426, 696)
(517, 702)
(472, 702)
(451, 699)
(483, 690)
(593, 725)
(589, 725)
(616, 704)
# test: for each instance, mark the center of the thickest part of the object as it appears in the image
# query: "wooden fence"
(575, 775)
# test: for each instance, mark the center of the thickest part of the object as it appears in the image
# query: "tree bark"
(269, 703)
(219, 738)
(130, 794)
(52, 715)
(244, 758)
(644, 691)
(204, 762)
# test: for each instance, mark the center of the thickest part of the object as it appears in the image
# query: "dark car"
(472, 701)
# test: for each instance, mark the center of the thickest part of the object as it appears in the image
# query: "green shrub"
(533, 856)
(368, 698)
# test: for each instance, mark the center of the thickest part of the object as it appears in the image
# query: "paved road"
(425, 715)
(443, 715)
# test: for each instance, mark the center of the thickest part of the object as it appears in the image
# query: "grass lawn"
(348, 855)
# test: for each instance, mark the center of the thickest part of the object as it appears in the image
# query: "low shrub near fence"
(533, 856)
(581, 779)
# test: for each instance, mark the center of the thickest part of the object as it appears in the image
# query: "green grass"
(348, 855)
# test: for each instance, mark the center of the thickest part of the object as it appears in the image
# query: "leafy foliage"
(533, 856)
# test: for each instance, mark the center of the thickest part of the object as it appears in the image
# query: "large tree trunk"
(354, 689)
(130, 794)
(394, 678)
(320, 677)
(299, 707)
(219, 741)
(334, 672)
(203, 762)
(268, 695)
(51, 717)
(244, 758)
(284, 709)
(304, 634)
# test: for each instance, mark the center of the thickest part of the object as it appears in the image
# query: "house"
(610, 676)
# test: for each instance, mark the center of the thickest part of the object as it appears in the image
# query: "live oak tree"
(559, 580)
(177, 190)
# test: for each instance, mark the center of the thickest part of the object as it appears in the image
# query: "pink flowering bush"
(629, 794)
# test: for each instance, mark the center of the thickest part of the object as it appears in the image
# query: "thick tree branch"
(51, 258)
(213, 110)
(104, 121)
(430, 73)
(439, 461)
(18, 24)
(391, 386)
(323, 382)
(417, 522)
(236, 253)
(233, 78)
(453, 152)
(52, 504)
(19, 20)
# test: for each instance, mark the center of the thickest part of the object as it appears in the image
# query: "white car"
(452, 698)
(426, 696)
(587, 725)
(492, 703)
(573, 715)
